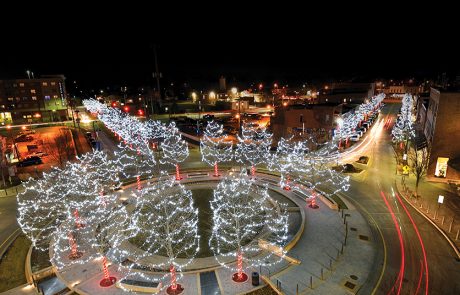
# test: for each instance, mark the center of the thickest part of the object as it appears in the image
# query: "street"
(403, 273)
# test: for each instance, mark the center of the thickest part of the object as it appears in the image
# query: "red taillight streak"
(401, 244)
(420, 240)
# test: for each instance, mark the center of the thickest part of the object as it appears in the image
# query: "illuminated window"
(47, 97)
(21, 84)
(55, 96)
(44, 83)
(53, 83)
(32, 91)
(10, 98)
(34, 98)
(24, 116)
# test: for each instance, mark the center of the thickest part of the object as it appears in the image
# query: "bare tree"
(60, 147)
(419, 160)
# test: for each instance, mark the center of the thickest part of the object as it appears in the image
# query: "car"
(208, 117)
(24, 138)
(89, 134)
(33, 160)
(354, 137)
(27, 132)
(39, 154)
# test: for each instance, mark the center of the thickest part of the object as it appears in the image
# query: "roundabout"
(83, 278)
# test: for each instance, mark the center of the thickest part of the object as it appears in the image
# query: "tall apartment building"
(33, 100)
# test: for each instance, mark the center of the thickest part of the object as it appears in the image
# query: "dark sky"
(98, 61)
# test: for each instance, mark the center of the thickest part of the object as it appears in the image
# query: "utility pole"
(157, 76)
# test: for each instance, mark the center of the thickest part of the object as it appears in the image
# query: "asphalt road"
(403, 273)
(8, 223)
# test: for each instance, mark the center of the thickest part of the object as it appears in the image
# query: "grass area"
(263, 291)
(12, 264)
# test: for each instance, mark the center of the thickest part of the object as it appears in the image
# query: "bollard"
(427, 209)
(297, 290)
(435, 214)
(456, 237)
(450, 226)
(442, 222)
(311, 282)
(322, 278)
(421, 205)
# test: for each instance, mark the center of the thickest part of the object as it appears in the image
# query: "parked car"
(208, 117)
(33, 160)
(27, 132)
(24, 138)
(354, 137)
(39, 154)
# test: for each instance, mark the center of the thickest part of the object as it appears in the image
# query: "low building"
(318, 119)
(338, 93)
(33, 100)
(437, 119)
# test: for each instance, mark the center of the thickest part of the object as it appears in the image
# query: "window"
(34, 98)
(10, 98)
(53, 83)
(24, 98)
(47, 97)
(44, 83)
(32, 91)
(15, 85)
(55, 96)
(21, 84)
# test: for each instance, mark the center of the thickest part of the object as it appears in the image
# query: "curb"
(449, 240)
(10, 241)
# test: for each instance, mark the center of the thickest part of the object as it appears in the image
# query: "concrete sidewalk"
(446, 216)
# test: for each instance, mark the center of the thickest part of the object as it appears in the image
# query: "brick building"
(33, 100)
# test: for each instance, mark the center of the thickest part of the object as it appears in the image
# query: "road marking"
(6, 240)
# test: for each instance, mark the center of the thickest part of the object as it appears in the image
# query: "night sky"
(97, 62)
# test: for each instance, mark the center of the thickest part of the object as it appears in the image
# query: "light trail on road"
(422, 245)
(401, 245)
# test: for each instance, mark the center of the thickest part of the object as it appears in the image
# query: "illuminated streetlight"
(193, 96)
(234, 90)
(285, 103)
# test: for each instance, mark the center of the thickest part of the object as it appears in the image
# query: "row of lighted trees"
(77, 211)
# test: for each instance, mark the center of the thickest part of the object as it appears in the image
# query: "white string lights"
(247, 225)
(403, 129)
(253, 147)
(175, 149)
(166, 222)
(215, 146)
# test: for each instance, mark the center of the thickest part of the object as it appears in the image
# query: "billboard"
(441, 167)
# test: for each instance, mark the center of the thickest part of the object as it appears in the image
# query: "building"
(318, 119)
(346, 93)
(437, 121)
(33, 100)
(222, 84)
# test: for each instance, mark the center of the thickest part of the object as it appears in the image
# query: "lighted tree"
(136, 161)
(167, 222)
(175, 149)
(403, 130)
(247, 225)
(289, 154)
(40, 207)
(253, 147)
(215, 147)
